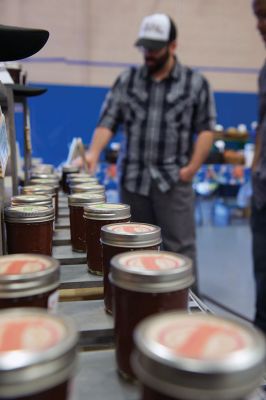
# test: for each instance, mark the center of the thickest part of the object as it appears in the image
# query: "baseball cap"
(156, 31)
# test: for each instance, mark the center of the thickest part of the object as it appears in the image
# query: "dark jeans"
(258, 227)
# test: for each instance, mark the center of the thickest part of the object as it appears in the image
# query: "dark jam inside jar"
(130, 308)
(29, 237)
(108, 253)
(40, 301)
(94, 247)
(77, 229)
(150, 394)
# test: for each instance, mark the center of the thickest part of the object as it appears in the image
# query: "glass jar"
(28, 199)
(29, 281)
(95, 217)
(38, 355)
(119, 238)
(76, 203)
(48, 182)
(29, 229)
(145, 283)
(66, 170)
(88, 187)
(197, 356)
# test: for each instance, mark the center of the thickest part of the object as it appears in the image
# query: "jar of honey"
(76, 203)
(66, 170)
(121, 237)
(145, 283)
(38, 355)
(96, 216)
(28, 280)
(29, 229)
(198, 356)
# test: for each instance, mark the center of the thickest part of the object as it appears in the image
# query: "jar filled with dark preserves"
(122, 237)
(88, 187)
(29, 229)
(67, 169)
(76, 203)
(145, 283)
(197, 356)
(96, 216)
(28, 199)
(38, 355)
(48, 182)
(28, 280)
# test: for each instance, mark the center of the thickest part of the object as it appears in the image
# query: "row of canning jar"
(177, 356)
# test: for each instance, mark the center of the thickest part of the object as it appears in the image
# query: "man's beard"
(159, 63)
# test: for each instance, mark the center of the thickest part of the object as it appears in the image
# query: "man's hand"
(91, 160)
(187, 173)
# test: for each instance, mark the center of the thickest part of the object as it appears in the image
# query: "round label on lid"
(17, 265)
(30, 333)
(130, 228)
(85, 195)
(150, 262)
(198, 337)
(28, 209)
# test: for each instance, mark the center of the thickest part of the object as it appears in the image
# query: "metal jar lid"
(40, 175)
(38, 189)
(43, 168)
(23, 275)
(78, 175)
(30, 199)
(198, 356)
(37, 351)
(45, 181)
(88, 187)
(107, 211)
(80, 199)
(24, 214)
(151, 271)
(70, 168)
(77, 180)
(132, 235)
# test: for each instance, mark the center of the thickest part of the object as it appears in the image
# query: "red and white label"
(29, 333)
(150, 262)
(199, 339)
(18, 266)
(131, 229)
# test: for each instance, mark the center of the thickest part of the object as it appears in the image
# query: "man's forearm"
(101, 138)
(202, 148)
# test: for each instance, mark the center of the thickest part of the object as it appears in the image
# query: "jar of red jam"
(122, 237)
(145, 283)
(29, 229)
(28, 199)
(88, 187)
(38, 355)
(197, 356)
(28, 280)
(67, 169)
(48, 182)
(76, 203)
(96, 216)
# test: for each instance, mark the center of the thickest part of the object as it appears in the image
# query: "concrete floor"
(225, 266)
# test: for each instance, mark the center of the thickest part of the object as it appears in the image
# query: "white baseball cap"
(156, 31)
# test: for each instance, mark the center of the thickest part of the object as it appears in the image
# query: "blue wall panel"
(65, 112)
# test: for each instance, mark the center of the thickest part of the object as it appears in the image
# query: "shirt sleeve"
(205, 111)
(111, 111)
